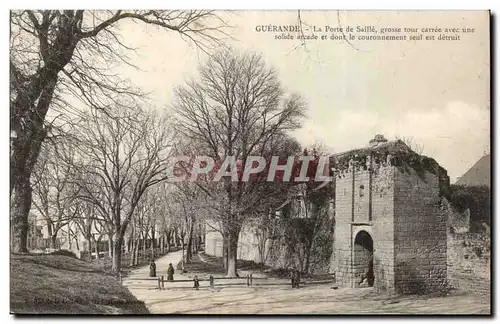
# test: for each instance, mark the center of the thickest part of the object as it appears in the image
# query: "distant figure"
(152, 269)
(368, 275)
(196, 282)
(170, 272)
(295, 274)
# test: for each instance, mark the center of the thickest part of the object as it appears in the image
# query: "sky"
(434, 92)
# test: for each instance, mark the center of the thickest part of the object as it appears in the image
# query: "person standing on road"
(295, 276)
(170, 272)
(152, 269)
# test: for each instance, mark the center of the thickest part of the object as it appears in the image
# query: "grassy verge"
(212, 265)
(105, 263)
(56, 284)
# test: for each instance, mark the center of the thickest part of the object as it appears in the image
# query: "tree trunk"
(195, 244)
(117, 255)
(183, 253)
(136, 252)
(110, 245)
(69, 238)
(224, 250)
(189, 247)
(19, 218)
(132, 253)
(127, 244)
(167, 247)
(177, 239)
(232, 250)
(25, 146)
(96, 250)
(162, 246)
(53, 241)
(50, 234)
(153, 243)
(308, 256)
(88, 238)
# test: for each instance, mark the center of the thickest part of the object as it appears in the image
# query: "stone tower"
(388, 218)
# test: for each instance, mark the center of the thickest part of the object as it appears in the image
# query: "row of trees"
(108, 178)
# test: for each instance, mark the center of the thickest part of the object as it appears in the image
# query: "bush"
(477, 199)
(64, 253)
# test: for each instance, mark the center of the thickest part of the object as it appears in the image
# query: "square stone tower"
(390, 232)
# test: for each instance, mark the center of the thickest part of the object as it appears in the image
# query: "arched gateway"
(363, 259)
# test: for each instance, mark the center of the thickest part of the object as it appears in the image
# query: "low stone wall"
(469, 260)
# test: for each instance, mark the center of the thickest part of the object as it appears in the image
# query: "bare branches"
(121, 156)
(84, 46)
(237, 103)
(237, 108)
(411, 143)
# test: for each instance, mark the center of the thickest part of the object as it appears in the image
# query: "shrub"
(477, 199)
(64, 253)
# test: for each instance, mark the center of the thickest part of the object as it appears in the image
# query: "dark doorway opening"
(363, 260)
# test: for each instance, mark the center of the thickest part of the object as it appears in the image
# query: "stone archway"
(363, 273)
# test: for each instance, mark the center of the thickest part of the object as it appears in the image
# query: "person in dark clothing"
(369, 276)
(196, 283)
(152, 269)
(297, 278)
(295, 275)
(170, 272)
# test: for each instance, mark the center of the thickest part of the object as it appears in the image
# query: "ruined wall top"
(381, 153)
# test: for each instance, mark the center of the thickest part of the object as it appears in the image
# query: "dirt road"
(284, 300)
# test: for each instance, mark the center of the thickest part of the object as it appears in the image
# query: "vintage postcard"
(250, 162)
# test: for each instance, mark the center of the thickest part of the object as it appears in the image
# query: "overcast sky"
(436, 92)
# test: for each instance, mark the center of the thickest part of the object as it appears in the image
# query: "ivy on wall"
(396, 154)
(477, 199)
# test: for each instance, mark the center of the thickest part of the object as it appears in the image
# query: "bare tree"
(140, 225)
(86, 222)
(191, 205)
(411, 143)
(56, 52)
(54, 191)
(126, 154)
(234, 109)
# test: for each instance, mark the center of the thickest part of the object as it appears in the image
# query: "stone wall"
(213, 239)
(383, 226)
(341, 264)
(458, 221)
(419, 233)
(364, 201)
(469, 260)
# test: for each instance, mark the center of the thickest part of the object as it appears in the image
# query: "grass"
(57, 284)
(213, 265)
(105, 263)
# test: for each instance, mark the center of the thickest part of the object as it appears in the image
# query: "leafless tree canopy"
(57, 55)
(237, 107)
(121, 157)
